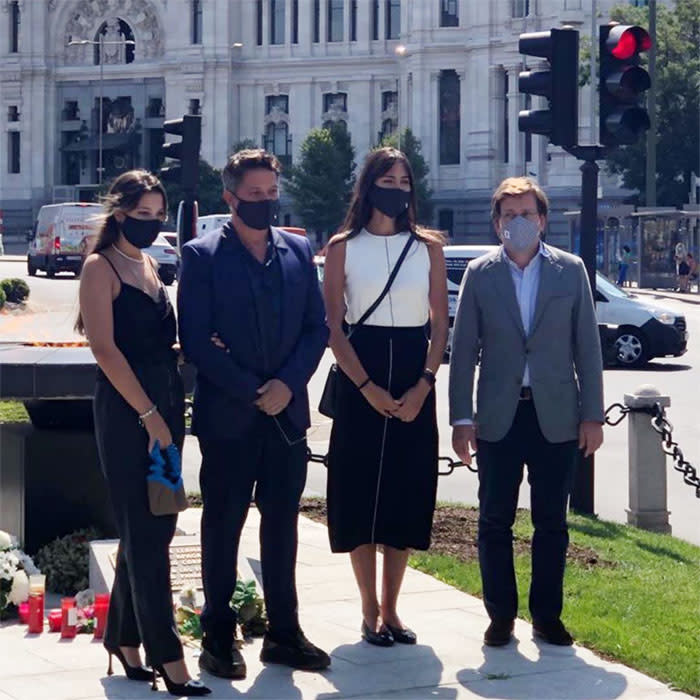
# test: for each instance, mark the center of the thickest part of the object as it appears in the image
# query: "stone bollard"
(647, 464)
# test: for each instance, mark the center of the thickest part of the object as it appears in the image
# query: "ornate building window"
(335, 20)
(259, 21)
(317, 21)
(295, 21)
(520, 9)
(449, 13)
(390, 113)
(13, 113)
(277, 20)
(353, 20)
(393, 19)
(14, 26)
(276, 138)
(335, 109)
(13, 152)
(449, 117)
(375, 19)
(196, 22)
(115, 32)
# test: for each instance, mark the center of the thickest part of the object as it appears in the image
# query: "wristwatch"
(429, 376)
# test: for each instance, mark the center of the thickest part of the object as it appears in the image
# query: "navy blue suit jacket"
(214, 295)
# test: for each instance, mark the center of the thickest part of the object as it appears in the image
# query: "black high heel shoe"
(383, 638)
(133, 673)
(189, 689)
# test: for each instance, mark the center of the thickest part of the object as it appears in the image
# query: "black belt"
(525, 393)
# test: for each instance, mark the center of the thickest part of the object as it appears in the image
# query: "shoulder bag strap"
(387, 287)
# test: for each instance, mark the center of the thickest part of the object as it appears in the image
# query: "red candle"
(69, 618)
(55, 618)
(23, 610)
(35, 620)
(101, 610)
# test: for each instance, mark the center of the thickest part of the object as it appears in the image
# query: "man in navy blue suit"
(252, 322)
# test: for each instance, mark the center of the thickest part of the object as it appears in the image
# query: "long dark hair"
(124, 195)
(378, 163)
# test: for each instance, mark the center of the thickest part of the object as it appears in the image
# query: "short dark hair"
(243, 161)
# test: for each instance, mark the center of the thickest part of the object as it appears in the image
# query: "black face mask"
(258, 215)
(391, 201)
(141, 233)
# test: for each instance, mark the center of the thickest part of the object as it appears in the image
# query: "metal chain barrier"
(616, 413)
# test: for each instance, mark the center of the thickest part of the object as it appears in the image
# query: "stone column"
(647, 464)
(323, 22)
(516, 142)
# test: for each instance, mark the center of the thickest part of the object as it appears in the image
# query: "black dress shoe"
(552, 632)
(402, 635)
(499, 633)
(222, 663)
(295, 651)
(383, 638)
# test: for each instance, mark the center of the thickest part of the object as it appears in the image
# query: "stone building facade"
(86, 84)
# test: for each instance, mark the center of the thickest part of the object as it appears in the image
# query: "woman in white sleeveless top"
(383, 453)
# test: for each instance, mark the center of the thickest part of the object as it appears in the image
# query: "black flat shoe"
(133, 673)
(402, 635)
(383, 638)
(190, 689)
(552, 632)
(499, 633)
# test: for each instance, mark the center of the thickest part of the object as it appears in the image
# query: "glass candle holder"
(101, 611)
(69, 618)
(35, 618)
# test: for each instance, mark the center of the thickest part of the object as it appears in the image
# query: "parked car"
(642, 330)
(61, 238)
(167, 258)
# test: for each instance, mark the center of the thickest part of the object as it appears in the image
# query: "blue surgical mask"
(520, 234)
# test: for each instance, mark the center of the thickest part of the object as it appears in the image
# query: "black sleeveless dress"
(141, 603)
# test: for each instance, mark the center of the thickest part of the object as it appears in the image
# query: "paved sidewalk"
(687, 297)
(449, 662)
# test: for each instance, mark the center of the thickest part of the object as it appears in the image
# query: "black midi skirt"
(382, 472)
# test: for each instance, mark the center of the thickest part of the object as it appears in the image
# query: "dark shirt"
(265, 280)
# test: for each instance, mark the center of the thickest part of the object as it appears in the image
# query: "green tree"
(242, 145)
(209, 193)
(677, 107)
(407, 142)
(321, 183)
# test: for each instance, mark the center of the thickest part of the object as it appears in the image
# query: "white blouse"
(369, 260)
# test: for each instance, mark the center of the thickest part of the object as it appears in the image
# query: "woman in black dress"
(383, 453)
(127, 317)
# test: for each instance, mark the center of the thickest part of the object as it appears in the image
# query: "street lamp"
(101, 43)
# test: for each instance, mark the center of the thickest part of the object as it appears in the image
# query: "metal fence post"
(647, 464)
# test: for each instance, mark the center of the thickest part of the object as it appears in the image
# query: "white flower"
(85, 598)
(8, 565)
(5, 540)
(28, 564)
(20, 588)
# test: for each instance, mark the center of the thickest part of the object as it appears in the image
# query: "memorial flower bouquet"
(15, 569)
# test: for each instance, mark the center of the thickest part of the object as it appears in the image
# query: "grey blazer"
(562, 350)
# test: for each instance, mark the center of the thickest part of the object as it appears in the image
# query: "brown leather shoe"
(499, 633)
(552, 632)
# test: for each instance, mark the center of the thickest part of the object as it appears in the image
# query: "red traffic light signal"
(622, 83)
(559, 85)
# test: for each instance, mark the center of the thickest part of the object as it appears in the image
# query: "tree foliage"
(677, 108)
(242, 145)
(410, 145)
(321, 183)
(209, 194)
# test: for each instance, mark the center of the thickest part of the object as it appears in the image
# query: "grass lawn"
(636, 601)
(13, 412)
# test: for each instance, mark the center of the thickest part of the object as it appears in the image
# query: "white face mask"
(520, 234)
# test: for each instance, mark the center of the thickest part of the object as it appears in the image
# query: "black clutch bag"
(329, 397)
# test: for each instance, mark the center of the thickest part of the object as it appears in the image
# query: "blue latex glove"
(166, 466)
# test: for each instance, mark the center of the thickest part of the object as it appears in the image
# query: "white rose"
(85, 598)
(20, 588)
(5, 540)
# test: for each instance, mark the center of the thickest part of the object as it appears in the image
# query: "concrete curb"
(689, 298)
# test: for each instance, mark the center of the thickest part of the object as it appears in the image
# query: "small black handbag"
(329, 397)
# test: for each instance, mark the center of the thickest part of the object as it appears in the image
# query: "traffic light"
(186, 174)
(622, 82)
(559, 85)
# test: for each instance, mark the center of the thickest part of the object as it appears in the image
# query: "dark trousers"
(551, 467)
(141, 605)
(261, 459)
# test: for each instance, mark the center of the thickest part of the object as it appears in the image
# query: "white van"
(62, 237)
(210, 222)
(643, 330)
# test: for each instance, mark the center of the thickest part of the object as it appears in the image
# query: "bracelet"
(360, 387)
(142, 417)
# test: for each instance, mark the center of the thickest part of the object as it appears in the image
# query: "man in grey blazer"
(526, 317)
